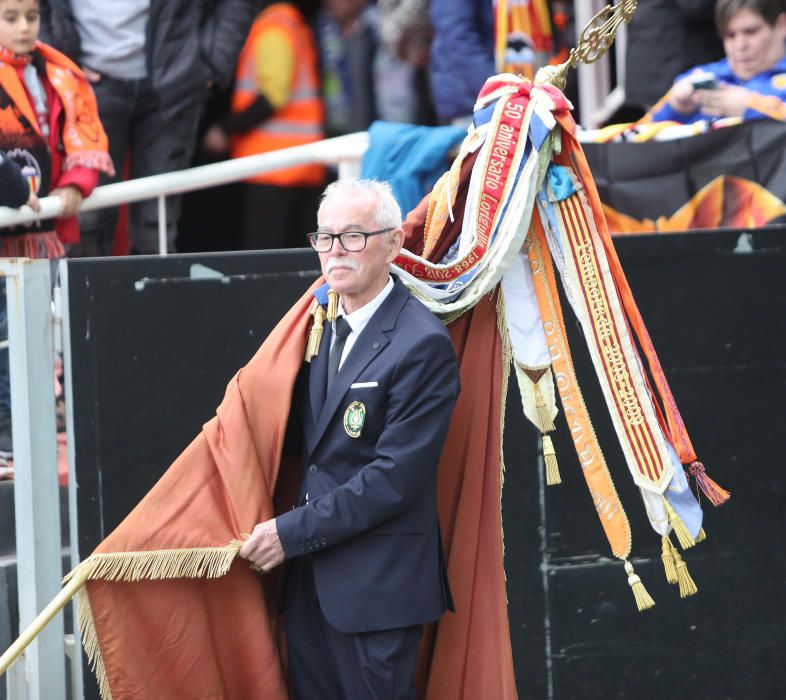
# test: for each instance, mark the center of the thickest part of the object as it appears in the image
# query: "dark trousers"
(155, 143)
(326, 664)
(278, 217)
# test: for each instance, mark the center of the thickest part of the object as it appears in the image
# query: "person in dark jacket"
(365, 567)
(151, 64)
(462, 55)
(665, 38)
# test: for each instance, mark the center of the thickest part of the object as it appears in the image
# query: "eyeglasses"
(351, 241)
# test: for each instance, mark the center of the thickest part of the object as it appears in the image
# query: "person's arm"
(424, 388)
(725, 101)
(680, 104)
(84, 179)
(766, 107)
(274, 67)
(274, 62)
(223, 35)
(72, 187)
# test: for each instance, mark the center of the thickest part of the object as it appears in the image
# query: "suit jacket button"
(313, 469)
(375, 346)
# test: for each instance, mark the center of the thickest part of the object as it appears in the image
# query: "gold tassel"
(668, 560)
(545, 423)
(643, 599)
(685, 538)
(315, 336)
(332, 307)
(550, 457)
(701, 536)
(687, 585)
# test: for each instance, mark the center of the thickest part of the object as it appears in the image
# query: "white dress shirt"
(357, 320)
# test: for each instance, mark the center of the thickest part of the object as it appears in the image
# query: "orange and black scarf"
(83, 138)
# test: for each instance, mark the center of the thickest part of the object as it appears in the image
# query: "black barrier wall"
(154, 342)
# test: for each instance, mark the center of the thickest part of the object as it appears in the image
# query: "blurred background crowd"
(181, 83)
(186, 82)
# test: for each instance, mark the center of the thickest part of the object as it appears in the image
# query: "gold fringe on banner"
(643, 599)
(198, 562)
(685, 538)
(667, 556)
(701, 536)
(87, 631)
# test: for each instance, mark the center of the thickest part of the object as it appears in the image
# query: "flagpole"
(44, 618)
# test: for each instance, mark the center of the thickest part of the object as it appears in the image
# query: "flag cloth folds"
(728, 177)
(169, 611)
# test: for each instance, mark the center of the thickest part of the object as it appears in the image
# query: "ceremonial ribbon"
(593, 464)
(573, 156)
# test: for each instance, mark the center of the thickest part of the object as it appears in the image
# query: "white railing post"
(162, 237)
(63, 315)
(344, 151)
(40, 673)
(348, 169)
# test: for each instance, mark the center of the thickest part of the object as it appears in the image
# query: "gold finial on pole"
(593, 42)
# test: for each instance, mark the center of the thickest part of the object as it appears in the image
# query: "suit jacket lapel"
(368, 345)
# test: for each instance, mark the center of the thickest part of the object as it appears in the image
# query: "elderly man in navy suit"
(365, 568)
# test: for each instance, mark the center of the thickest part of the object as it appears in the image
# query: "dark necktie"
(343, 329)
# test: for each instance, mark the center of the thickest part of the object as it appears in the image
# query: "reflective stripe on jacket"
(300, 120)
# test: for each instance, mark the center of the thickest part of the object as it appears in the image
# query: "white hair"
(388, 214)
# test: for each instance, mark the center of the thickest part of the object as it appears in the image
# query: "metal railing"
(39, 674)
(345, 152)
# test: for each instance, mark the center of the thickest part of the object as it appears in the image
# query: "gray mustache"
(345, 262)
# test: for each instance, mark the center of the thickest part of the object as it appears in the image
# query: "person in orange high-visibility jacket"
(275, 104)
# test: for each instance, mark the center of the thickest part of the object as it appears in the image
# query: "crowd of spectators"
(179, 82)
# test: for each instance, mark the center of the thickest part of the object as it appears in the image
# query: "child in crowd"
(49, 126)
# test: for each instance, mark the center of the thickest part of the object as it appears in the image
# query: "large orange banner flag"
(170, 611)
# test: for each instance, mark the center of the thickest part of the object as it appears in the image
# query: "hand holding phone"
(704, 81)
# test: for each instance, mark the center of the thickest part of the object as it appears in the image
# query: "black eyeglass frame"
(312, 238)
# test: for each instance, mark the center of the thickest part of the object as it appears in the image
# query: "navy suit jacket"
(370, 524)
